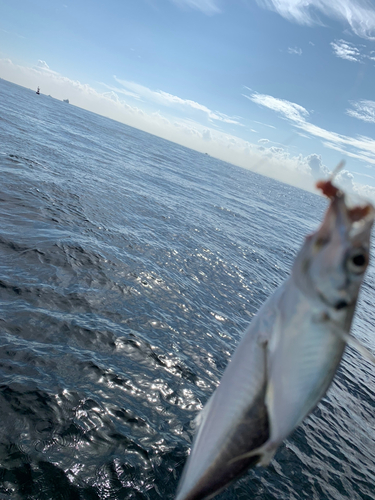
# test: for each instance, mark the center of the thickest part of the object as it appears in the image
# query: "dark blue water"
(129, 268)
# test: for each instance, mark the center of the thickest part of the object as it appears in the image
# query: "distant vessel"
(38, 91)
(66, 100)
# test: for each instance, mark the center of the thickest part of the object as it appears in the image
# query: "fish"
(288, 356)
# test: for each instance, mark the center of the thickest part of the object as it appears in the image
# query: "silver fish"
(288, 356)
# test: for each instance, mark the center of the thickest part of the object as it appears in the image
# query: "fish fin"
(361, 349)
(349, 339)
(266, 452)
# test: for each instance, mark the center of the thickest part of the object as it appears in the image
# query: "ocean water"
(129, 268)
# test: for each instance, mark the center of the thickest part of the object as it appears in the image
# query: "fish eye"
(357, 261)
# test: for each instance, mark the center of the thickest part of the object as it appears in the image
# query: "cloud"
(272, 161)
(165, 99)
(206, 134)
(190, 133)
(43, 68)
(363, 110)
(276, 150)
(290, 110)
(111, 95)
(350, 52)
(42, 64)
(162, 119)
(345, 180)
(301, 134)
(295, 50)
(283, 163)
(318, 170)
(263, 141)
(121, 91)
(12, 33)
(360, 147)
(261, 123)
(362, 156)
(208, 7)
(364, 175)
(358, 14)
(346, 50)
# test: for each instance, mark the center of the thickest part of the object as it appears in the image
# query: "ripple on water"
(129, 268)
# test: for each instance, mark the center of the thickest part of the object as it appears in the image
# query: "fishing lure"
(288, 356)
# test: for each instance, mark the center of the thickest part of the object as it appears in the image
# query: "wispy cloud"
(346, 50)
(12, 33)
(290, 110)
(273, 161)
(208, 7)
(166, 99)
(295, 50)
(351, 52)
(364, 175)
(42, 64)
(360, 147)
(363, 110)
(122, 91)
(358, 14)
(261, 123)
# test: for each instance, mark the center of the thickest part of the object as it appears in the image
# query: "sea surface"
(129, 268)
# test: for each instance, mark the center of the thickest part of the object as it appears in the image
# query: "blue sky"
(276, 86)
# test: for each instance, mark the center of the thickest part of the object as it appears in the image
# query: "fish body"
(288, 356)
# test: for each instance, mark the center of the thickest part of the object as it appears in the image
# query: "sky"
(282, 87)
